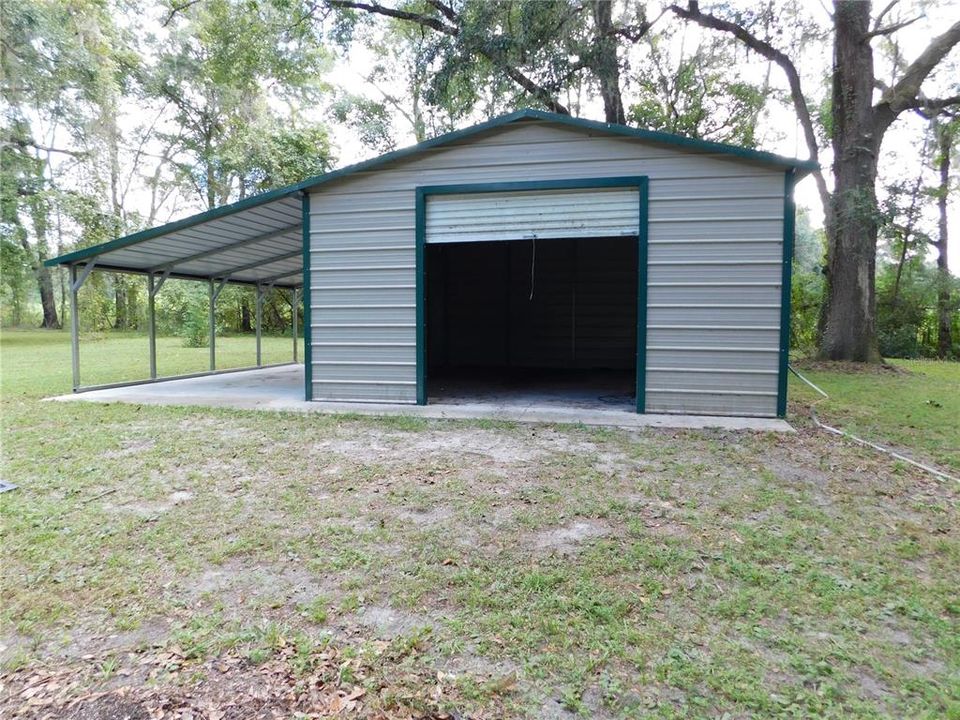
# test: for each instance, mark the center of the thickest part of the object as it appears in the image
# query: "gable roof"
(801, 167)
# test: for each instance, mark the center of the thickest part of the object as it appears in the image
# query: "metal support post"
(215, 291)
(76, 282)
(259, 307)
(74, 327)
(153, 287)
(213, 327)
(152, 325)
(293, 311)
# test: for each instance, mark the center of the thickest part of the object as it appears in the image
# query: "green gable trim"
(758, 156)
(307, 331)
(789, 227)
(640, 182)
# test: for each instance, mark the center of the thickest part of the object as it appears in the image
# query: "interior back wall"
(561, 304)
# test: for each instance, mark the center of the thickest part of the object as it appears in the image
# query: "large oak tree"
(862, 110)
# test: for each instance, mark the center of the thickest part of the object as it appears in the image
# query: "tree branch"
(692, 13)
(176, 9)
(422, 20)
(445, 9)
(935, 105)
(20, 143)
(883, 13)
(904, 94)
(635, 33)
(538, 91)
(890, 29)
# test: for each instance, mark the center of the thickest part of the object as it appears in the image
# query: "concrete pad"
(282, 389)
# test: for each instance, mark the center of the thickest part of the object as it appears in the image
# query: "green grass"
(917, 409)
(36, 363)
(655, 574)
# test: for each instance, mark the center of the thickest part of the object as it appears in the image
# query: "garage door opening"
(533, 322)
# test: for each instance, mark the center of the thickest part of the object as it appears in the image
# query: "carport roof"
(260, 239)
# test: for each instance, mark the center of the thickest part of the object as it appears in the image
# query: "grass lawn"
(37, 363)
(242, 562)
(914, 405)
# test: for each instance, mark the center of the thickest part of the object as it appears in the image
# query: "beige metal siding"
(715, 243)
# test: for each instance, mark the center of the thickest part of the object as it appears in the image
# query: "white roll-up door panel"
(480, 217)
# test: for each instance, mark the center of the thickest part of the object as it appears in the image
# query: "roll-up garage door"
(481, 217)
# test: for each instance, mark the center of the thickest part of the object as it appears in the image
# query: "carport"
(257, 243)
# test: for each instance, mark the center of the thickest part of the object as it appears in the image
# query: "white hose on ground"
(861, 441)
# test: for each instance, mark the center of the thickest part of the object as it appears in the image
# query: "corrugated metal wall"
(715, 243)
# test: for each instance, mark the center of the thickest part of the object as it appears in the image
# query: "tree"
(537, 49)
(14, 275)
(223, 67)
(901, 218)
(698, 93)
(856, 127)
(64, 68)
(946, 134)
(38, 58)
(406, 56)
(807, 286)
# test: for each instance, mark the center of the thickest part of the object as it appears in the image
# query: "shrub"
(196, 327)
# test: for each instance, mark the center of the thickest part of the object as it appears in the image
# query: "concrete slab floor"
(282, 389)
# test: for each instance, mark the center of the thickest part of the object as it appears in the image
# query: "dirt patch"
(151, 509)
(659, 517)
(554, 709)
(591, 705)
(389, 623)
(889, 632)
(568, 540)
(426, 517)
(871, 688)
(370, 445)
(131, 447)
(475, 665)
(237, 584)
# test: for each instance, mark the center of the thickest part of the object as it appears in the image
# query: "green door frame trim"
(789, 227)
(307, 332)
(640, 182)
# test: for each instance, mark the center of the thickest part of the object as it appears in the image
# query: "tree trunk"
(848, 315)
(48, 300)
(245, 325)
(895, 295)
(606, 65)
(120, 306)
(944, 334)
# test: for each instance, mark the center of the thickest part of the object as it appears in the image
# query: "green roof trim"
(758, 156)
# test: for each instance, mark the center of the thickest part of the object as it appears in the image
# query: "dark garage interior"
(523, 322)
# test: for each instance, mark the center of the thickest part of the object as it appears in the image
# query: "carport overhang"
(257, 242)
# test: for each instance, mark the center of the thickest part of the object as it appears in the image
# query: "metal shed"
(531, 251)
